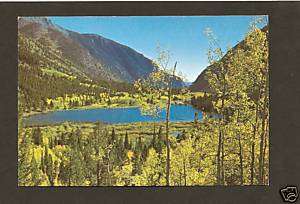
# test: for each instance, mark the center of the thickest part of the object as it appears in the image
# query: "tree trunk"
(262, 140)
(255, 128)
(264, 153)
(70, 171)
(220, 142)
(180, 175)
(241, 160)
(252, 159)
(240, 145)
(167, 143)
(219, 159)
(184, 172)
(261, 149)
(98, 173)
(167, 126)
(108, 168)
(222, 161)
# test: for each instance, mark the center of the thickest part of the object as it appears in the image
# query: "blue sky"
(182, 35)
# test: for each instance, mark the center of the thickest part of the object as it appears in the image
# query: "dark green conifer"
(126, 142)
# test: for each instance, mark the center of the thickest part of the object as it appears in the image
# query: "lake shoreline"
(137, 124)
(25, 115)
(93, 106)
(110, 115)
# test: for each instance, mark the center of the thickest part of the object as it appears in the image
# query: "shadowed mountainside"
(94, 55)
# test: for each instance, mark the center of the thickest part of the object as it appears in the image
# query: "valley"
(94, 112)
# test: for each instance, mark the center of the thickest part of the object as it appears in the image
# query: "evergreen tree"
(51, 105)
(153, 142)
(113, 136)
(126, 142)
(196, 118)
(35, 171)
(24, 163)
(51, 144)
(64, 172)
(37, 136)
(49, 169)
(152, 172)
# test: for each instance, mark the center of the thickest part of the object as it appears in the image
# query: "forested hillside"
(228, 146)
(94, 55)
(58, 64)
(44, 74)
(201, 83)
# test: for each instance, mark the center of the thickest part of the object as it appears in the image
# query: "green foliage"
(239, 81)
(153, 173)
(44, 74)
(24, 159)
(230, 148)
(37, 138)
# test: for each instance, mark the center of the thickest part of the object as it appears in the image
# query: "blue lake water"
(111, 115)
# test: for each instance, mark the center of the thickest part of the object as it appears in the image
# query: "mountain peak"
(45, 21)
(97, 56)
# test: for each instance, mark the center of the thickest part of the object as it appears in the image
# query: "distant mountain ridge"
(94, 55)
(201, 83)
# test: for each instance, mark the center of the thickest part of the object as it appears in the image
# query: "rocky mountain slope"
(93, 55)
